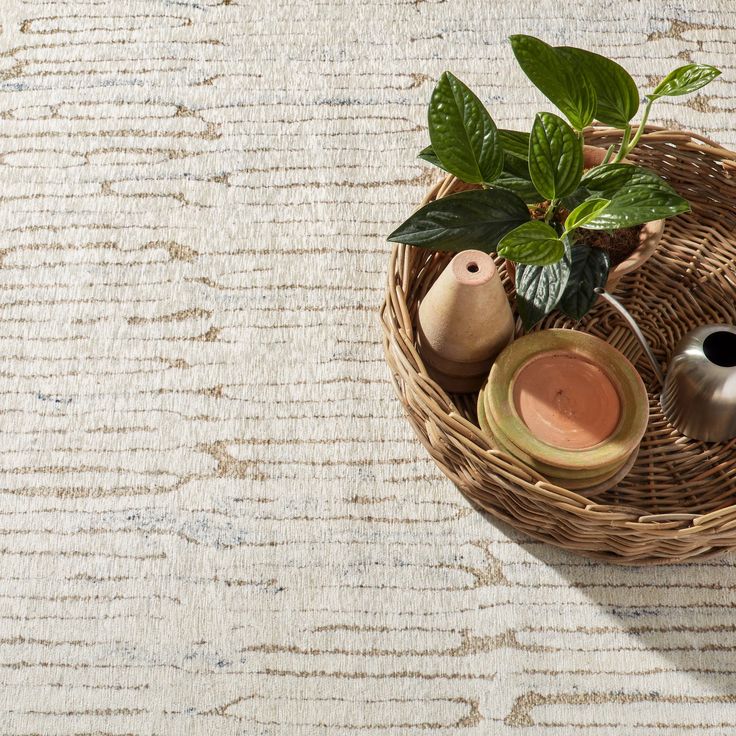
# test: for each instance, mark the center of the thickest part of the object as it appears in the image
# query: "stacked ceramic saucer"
(568, 405)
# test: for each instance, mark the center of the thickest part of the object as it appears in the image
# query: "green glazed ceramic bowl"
(602, 459)
(590, 481)
(571, 479)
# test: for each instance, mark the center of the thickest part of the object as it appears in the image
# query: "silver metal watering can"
(699, 390)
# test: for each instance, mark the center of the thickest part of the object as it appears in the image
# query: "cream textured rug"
(214, 518)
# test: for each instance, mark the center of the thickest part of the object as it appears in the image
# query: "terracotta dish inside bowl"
(566, 401)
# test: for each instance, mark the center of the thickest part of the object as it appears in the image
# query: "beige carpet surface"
(213, 517)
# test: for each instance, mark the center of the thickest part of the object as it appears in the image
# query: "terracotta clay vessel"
(464, 322)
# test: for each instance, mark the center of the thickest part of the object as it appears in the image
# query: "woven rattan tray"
(679, 500)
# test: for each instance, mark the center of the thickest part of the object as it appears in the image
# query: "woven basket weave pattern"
(679, 500)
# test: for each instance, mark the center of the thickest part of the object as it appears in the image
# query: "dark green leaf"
(685, 79)
(516, 178)
(539, 289)
(555, 156)
(637, 196)
(475, 219)
(514, 142)
(516, 166)
(637, 205)
(533, 243)
(609, 179)
(462, 132)
(428, 155)
(520, 186)
(588, 271)
(573, 200)
(557, 77)
(585, 212)
(617, 98)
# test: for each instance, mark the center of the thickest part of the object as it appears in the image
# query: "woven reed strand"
(679, 501)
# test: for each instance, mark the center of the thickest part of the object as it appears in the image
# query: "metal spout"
(616, 304)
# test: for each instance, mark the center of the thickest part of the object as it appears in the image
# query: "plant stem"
(609, 153)
(624, 149)
(642, 125)
(550, 213)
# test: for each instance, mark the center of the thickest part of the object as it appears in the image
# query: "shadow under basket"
(678, 502)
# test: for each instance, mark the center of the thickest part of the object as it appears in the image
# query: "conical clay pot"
(464, 322)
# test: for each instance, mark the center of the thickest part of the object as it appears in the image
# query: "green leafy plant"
(513, 170)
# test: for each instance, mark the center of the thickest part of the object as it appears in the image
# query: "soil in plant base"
(619, 244)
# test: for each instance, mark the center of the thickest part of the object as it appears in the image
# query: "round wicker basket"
(679, 500)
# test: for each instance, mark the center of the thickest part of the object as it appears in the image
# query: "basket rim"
(467, 437)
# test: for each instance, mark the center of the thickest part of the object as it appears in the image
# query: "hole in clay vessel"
(473, 267)
(720, 348)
